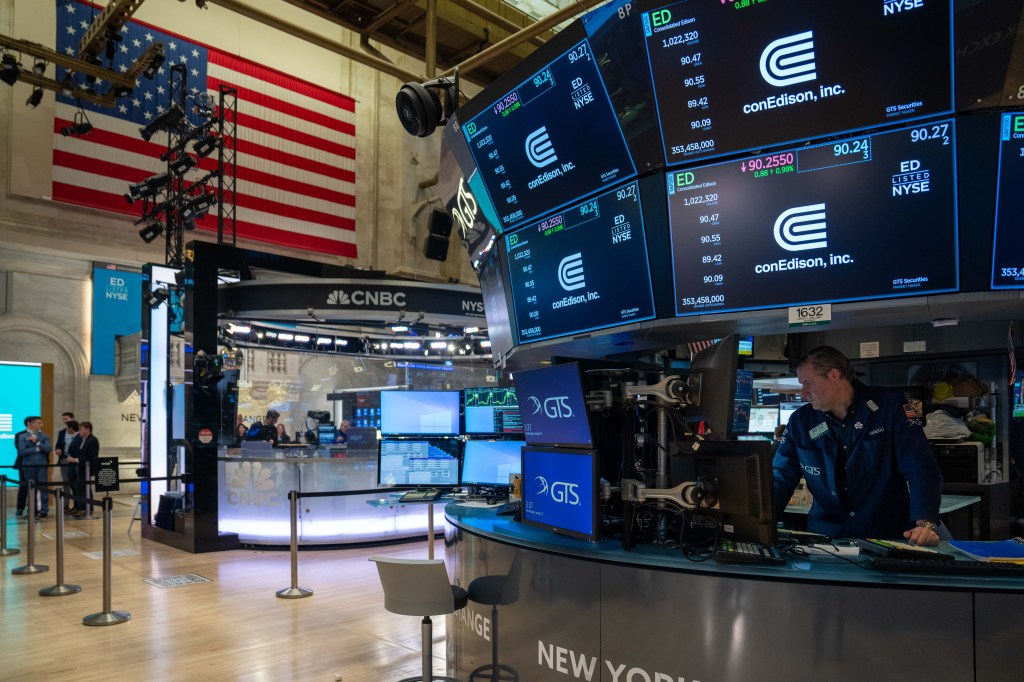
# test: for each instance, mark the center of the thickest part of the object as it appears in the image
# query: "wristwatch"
(930, 525)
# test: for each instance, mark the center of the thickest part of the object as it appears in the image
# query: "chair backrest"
(415, 587)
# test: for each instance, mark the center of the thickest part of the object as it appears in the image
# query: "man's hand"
(920, 535)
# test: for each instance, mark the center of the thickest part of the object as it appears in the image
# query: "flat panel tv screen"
(732, 76)
(859, 218)
(566, 272)
(549, 141)
(419, 413)
(427, 462)
(491, 411)
(490, 462)
(763, 419)
(552, 404)
(1008, 246)
(560, 491)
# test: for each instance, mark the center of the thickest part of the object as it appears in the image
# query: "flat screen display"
(419, 413)
(816, 224)
(15, 405)
(1008, 246)
(560, 491)
(491, 411)
(763, 419)
(731, 76)
(566, 272)
(549, 141)
(429, 462)
(489, 462)
(552, 404)
(786, 411)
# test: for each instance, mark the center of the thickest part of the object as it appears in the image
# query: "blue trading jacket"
(892, 476)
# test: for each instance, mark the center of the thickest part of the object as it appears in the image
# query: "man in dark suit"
(60, 449)
(85, 454)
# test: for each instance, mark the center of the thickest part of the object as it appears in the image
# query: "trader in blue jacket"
(863, 453)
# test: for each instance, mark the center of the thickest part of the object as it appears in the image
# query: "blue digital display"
(565, 272)
(419, 413)
(734, 76)
(560, 491)
(549, 141)
(1008, 246)
(818, 223)
(16, 404)
(552, 405)
(490, 462)
(116, 311)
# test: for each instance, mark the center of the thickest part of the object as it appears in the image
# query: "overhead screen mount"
(424, 106)
(672, 389)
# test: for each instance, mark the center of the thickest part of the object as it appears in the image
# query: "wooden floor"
(232, 628)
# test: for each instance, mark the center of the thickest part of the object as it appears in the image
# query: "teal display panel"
(20, 398)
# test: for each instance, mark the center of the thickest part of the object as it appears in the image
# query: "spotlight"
(170, 119)
(156, 297)
(10, 70)
(39, 68)
(80, 126)
(151, 232)
(183, 164)
(35, 98)
(197, 207)
(154, 65)
(420, 106)
(147, 188)
(205, 146)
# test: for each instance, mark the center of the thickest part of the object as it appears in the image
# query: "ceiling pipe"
(493, 17)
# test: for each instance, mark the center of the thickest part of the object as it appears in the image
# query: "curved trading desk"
(253, 500)
(559, 608)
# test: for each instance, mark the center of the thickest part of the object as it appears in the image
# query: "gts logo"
(555, 407)
(811, 471)
(566, 493)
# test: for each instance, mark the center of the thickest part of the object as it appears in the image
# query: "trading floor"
(232, 627)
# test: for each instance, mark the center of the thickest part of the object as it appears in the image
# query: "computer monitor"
(419, 413)
(491, 411)
(786, 410)
(553, 408)
(717, 366)
(325, 434)
(489, 462)
(737, 476)
(425, 462)
(362, 438)
(763, 419)
(560, 491)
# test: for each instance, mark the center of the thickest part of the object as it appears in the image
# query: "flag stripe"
(277, 155)
(292, 135)
(279, 79)
(249, 175)
(248, 96)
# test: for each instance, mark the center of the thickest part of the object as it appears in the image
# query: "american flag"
(295, 141)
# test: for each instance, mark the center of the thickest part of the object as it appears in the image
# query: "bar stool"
(420, 587)
(494, 591)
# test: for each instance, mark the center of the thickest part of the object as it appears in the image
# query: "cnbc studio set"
(666, 205)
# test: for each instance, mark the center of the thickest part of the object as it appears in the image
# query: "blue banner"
(116, 311)
(21, 398)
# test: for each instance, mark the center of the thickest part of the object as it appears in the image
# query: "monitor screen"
(763, 419)
(419, 413)
(489, 462)
(428, 462)
(560, 491)
(491, 411)
(753, 233)
(325, 434)
(740, 474)
(786, 410)
(565, 272)
(534, 146)
(553, 407)
(361, 438)
(731, 78)
(720, 382)
(1008, 247)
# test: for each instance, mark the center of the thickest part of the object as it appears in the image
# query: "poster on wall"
(15, 405)
(116, 310)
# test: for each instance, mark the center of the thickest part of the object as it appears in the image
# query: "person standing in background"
(34, 449)
(60, 448)
(88, 454)
(22, 484)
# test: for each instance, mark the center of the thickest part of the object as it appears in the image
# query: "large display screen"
(567, 272)
(491, 410)
(553, 408)
(549, 141)
(416, 413)
(490, 462)
(17, 404)
(860, 218)
(733, 76)
(430, 463)
(560, 491)
(1008, 246)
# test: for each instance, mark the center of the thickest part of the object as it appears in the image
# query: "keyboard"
(730, 552)
(424, 495)
(510, 507)
(930, 566)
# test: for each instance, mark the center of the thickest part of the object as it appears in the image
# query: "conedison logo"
(789, 60)
(539, 149)
(570, 272)
(801, 228)
(566, 493)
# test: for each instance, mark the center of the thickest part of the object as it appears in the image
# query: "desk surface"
(486, 523)
(949, 503)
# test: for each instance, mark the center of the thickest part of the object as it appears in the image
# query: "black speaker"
(440, 223)
(435, 247)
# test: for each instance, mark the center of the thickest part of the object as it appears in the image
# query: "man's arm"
(786, 473)
(916, 463)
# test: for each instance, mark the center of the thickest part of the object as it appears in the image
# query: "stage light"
(39, 68)
(438, 345)
(399, 328)
(324, 340)
(340, 342)
(423, 107)
(412, 345)
(154, 65)
(10, 69)
(205, 146)
(471, 330)
(196, 208)
(151, 232)
(301, 338)
(35, 98)
(183, 164)
(157, 297)
(168, 120)
(80, 126)
(238, 328)
(485, 343)
(285, 336)
(147, 188)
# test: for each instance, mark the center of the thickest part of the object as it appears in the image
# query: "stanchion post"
(4, 550)
(60, 589)
(31, 566)
(294, 592)
(107, 616)
(91, 513)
